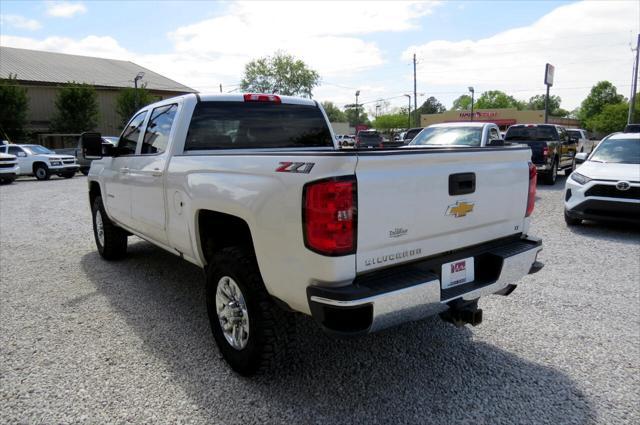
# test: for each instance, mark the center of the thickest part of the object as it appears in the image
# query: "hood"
(610, 171)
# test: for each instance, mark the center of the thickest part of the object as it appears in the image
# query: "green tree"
(350, 113)
(431, 106)
(602, 94)
(536, 103)
(130, 100)
(13, 112)
(613, 117)
(390, 121)
(280, 74)
(462, 103)
(76, 109)
(494, 99)
(333, 112)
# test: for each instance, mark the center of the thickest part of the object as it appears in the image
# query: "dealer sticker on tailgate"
(457, 272)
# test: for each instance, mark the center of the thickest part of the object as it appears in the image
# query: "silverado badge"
(460, 209)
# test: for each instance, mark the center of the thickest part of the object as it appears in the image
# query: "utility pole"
(357, 117)
(415, 93)
(409, 112)
(634, 83)
(220, 87)
(549, 71)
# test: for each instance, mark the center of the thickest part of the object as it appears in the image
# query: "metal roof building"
(43, 72)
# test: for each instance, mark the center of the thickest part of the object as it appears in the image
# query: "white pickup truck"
(255, 190)
(40, 162)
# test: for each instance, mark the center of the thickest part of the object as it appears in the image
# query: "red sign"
(478, 114)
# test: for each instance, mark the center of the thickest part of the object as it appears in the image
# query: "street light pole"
(409, 112)
(135, 85)
(472, 93)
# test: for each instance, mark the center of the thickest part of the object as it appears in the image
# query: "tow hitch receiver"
(461, 315)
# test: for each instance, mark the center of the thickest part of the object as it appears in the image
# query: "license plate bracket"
(457, 273)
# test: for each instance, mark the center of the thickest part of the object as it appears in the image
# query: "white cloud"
(586, 41)
(106, 47)
(65, 9)
(20, 22)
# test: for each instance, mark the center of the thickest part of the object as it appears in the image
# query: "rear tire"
(268, 332)
(110, 239)
(570, 221)
(551, 177)
(41, 172)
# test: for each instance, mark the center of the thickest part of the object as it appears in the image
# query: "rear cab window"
(247, 125)
(532, 132)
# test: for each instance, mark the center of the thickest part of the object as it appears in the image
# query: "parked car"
(632, 128)
(9, 168)
(358, 240)
(410, 134)
(606, 186)
(76, 151)
(368, 139)
(346, 140)
(464, 134)
(585, 143)
(40, 162)
(551, 148)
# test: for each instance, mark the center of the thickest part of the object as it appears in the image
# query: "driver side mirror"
(91, 144)
(496, 142)
(581, 157)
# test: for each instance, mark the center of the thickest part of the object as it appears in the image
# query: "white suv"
(9, 168)
(40, 162)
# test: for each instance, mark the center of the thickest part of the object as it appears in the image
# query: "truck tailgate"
(406, 212)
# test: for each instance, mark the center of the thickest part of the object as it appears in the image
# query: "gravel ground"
(86, 341)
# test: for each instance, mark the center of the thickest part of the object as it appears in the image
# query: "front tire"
(570, 221)
(110, 239)
(41, 172)
(251, 331)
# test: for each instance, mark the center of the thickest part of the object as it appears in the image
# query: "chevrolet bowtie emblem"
(460, 209)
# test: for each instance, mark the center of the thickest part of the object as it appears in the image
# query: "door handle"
(156, 172)
(124, 170)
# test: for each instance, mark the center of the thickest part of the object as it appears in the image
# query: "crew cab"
(40, 162)
(461, 134)
(551, 148)
(255, 190)
(585, 142)
(9, 168)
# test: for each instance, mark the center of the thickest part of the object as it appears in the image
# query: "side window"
(156, 136)
(14, 150)
(129, 138)
(493, 134)
(562, 134)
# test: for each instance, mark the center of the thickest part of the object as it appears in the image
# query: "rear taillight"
(533, 181)
(545, 151)
(269, 98)
(329, 216)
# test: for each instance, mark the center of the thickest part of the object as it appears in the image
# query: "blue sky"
(364, 45)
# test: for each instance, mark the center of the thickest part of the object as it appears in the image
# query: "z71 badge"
(295, 167)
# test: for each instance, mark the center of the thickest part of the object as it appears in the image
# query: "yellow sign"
(460, 209)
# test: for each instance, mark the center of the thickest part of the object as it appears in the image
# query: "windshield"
(37, 149)
(442, 136)
(539, 132)
(574, 133)
(620, 151)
